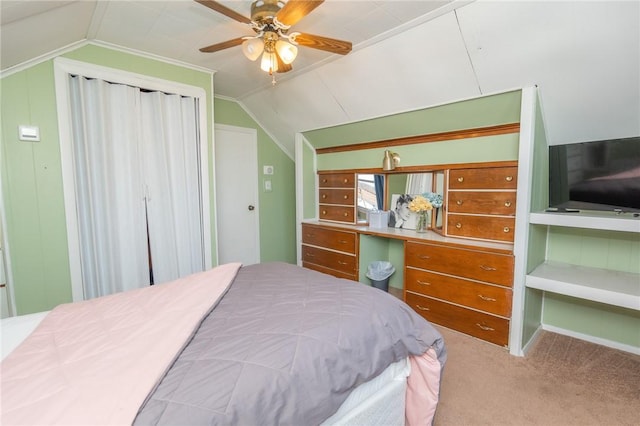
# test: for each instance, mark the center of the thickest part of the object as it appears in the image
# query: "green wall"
(277, 208)
(503, 108)
(592, 319)
(32, 191)
(32, 179)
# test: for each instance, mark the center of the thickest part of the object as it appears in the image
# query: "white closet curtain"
(171, 164)
(137, 185)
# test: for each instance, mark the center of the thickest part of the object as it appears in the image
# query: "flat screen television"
(599, 175)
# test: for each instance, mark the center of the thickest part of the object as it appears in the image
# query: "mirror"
(370, 195)
(430, 184)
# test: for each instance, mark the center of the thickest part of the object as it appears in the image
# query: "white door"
(236, 169)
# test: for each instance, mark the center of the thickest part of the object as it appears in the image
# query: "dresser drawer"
(489, 298)
(484, 178)
(325, 270)
(337, 196)
(329, 238)
(500, 203)
(483, 326)
(476, 265)
(495, 228)
(345, 214)
(337, 180)
(330, 259)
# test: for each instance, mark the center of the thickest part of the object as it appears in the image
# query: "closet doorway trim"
(64, 67)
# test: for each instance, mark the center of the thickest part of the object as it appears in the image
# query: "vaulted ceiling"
(584, 56)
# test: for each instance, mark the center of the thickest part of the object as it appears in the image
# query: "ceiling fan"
(271, 21)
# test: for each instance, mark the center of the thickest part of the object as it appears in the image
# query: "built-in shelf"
(608, 221)
(598, 285)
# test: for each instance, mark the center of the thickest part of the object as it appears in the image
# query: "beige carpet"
(562, 381)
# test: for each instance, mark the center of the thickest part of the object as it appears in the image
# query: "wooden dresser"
(459, 276)
(464, 289)
(337, 197)
(331, 251)
(481, 203)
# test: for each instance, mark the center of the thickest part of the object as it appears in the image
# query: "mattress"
(16, 329)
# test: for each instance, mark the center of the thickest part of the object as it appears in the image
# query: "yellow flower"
(420, 204)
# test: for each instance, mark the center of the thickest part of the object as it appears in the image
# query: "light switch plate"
(267, 186)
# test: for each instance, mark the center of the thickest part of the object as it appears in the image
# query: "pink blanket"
(95, 362)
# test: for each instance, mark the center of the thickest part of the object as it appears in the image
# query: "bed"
(269, 344)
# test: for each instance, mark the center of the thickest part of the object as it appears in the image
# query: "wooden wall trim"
(425, 168)
(501, 129)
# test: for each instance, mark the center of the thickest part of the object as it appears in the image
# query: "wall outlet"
(267, 185)
(267, 170)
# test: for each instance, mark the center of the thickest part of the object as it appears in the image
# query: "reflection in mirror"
(370, 195)
(429, 184)
(419, 183)
(438, 188)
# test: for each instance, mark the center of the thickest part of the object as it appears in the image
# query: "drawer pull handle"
(345, 180)
(487, 268)
(422, 308)
(324, 180)
(509, 178)
(458, 225)
(459, 202)
(346, 197)
(507, 203)
(341, 262)
(343, 241)
(506, 229)
(424, 256)
(461, 179)
(310, 255)
(423, 282)
(488, 299)
(485, 328)
(346, 214)
(324, 196)
(324, 212)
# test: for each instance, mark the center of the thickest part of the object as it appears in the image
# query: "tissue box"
(378, 219)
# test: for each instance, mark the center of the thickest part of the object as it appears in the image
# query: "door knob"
(251, 208)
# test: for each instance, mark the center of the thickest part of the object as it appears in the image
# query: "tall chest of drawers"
(465, 289)
(331, 251)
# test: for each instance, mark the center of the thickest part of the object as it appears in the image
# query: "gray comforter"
(285, 346)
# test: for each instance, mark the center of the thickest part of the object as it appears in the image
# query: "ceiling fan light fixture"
(287, 51)
(269, 62)
(252, 48)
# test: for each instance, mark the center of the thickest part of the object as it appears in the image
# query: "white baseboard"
(597, 340)
(531, 341)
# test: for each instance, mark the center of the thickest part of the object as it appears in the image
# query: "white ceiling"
(583, 55)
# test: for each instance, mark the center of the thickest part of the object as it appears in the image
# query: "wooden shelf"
(608, 221)
(598, 285)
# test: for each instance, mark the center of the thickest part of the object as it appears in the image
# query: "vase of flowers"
(420, 206)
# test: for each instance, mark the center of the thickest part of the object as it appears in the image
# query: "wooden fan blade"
(327, 44)
(282, 67)
(224, 45)
(295, 10)
(224, 10)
